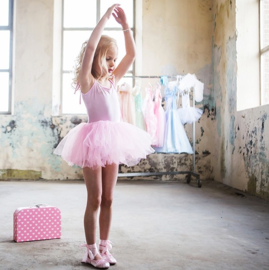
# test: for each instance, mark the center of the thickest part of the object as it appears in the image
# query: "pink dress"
(160, 116)
(104, 139)
(127, 105)
(149, 116)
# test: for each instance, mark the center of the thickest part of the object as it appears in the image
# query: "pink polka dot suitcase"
(40, 222)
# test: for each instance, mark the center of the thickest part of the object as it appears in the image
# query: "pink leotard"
(102, 103)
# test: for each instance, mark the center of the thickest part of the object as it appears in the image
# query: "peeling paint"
(170, 163)
(219, 122)
(10, 174)
(253, 148)
(263, 118)
(210, 111)
(231, 79)
(31, 138)
(10, 127)
(232, 130)
(202, 131)
(206, 153)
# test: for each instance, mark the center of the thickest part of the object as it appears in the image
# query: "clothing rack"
(189, 173)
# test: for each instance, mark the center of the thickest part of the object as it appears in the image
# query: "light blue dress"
(175, 138)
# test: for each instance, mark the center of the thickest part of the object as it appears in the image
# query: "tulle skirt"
(104, 142)
(189, 114)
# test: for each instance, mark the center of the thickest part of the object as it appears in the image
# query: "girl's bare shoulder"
(86, 83)
(86, 87)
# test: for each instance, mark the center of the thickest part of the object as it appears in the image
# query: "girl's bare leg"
(93, 181)
(109, 180)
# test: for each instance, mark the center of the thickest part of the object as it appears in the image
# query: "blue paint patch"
(231, 84)
(205, 75)
(209, 75)
(232, 130)
(217, 86)
(217, 93)
(216, 74)
(10, 127)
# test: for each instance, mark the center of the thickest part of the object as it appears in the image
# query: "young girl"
(104, 142)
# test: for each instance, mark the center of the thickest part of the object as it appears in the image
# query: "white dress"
(190, 81)
(188, 114)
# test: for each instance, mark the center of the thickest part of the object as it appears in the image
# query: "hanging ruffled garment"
(188, 114)
(127, 105)
(160, 116)
(149, 116)
(190, 81)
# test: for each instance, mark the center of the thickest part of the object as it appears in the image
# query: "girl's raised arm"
(85, 76)
(128, 59)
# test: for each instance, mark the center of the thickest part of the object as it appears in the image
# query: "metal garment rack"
(188, 173)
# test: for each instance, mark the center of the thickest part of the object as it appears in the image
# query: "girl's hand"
(110, 10)
(120, 16)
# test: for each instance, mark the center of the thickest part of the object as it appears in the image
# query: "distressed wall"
(29, 135)
(241, 156)
(176, 39)
(26, 136)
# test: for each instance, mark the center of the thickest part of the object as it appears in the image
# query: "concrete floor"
(156, 225)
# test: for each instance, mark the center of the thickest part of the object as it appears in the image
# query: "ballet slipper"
(90, 255)
(104, 247)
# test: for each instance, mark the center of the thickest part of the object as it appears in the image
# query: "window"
(79, 19)
(6, 25)
(247, 54)
(264, 50)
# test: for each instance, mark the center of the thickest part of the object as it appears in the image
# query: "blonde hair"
(104, 44)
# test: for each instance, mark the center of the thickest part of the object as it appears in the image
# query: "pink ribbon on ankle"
(88, 251)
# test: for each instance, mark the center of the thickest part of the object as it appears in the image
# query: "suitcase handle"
(40, 205)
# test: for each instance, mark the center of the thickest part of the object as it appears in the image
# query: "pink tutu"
(104, 142)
